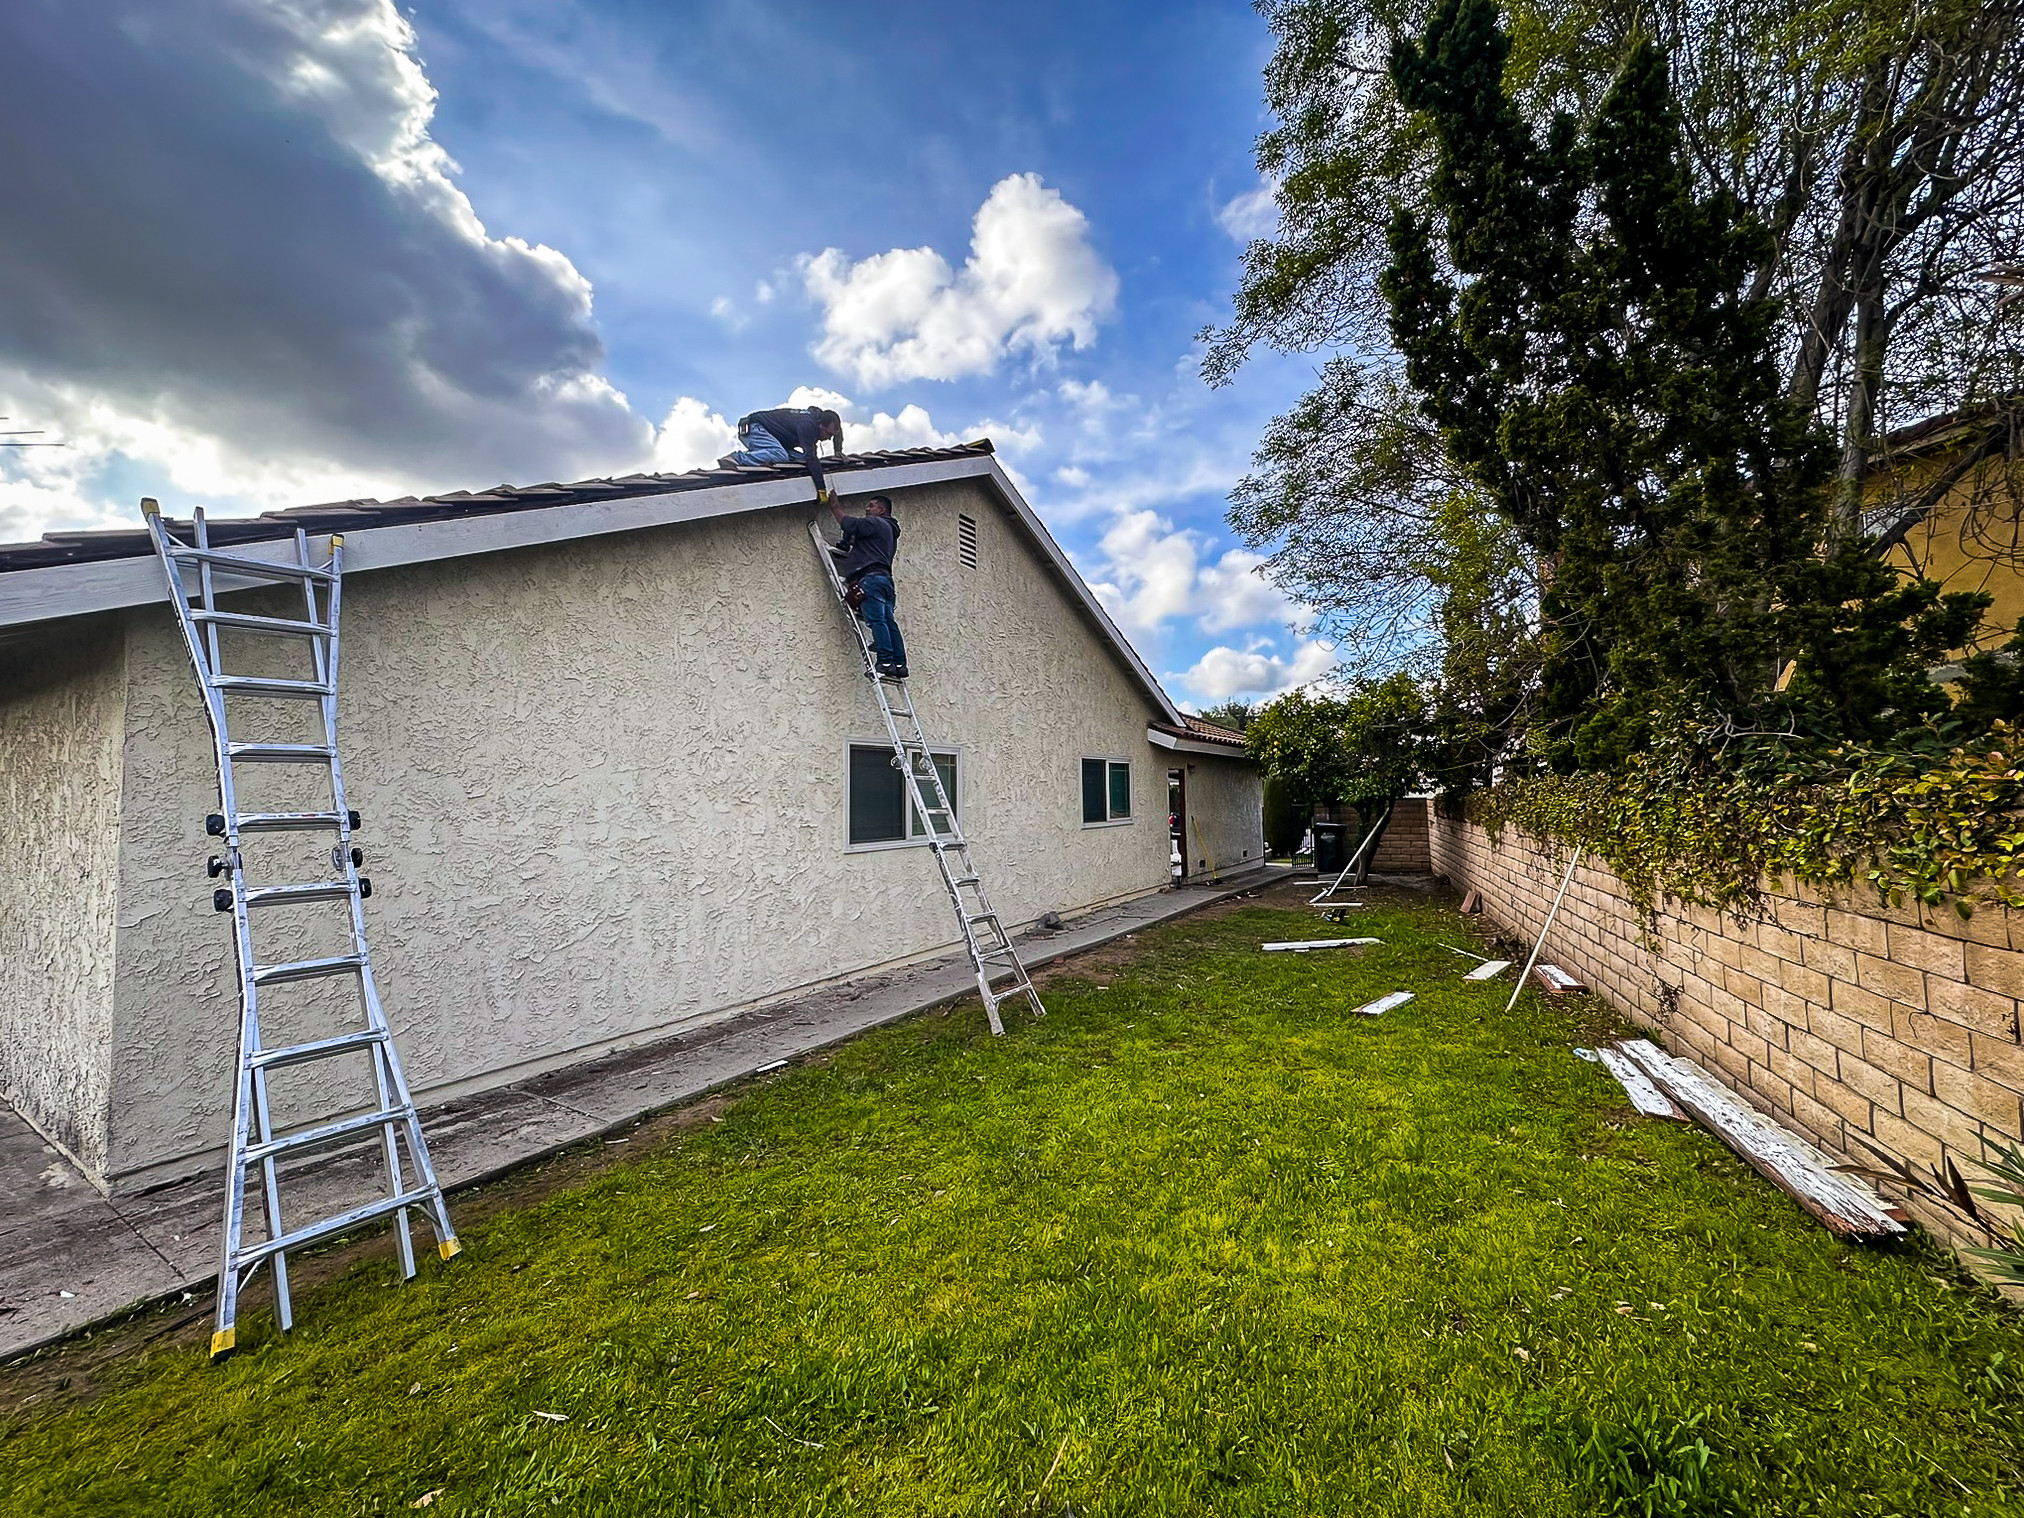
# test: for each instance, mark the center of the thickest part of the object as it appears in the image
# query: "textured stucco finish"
(1226, 805)
(61, 700)
(603, 790)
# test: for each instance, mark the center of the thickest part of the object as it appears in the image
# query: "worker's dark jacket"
(795, 427)
(868, 546)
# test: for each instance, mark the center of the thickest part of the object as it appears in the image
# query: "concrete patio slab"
(71, 1257)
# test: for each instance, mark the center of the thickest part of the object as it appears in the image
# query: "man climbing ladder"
(1000, 975)
(865, 563)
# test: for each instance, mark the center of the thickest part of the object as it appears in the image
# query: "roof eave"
(59, 591)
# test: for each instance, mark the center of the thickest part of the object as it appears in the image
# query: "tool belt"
(853, 595)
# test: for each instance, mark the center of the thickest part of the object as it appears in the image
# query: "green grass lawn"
(1198, 1242)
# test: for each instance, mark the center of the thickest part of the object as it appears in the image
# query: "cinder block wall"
(1835, 1014)
(1405, 848)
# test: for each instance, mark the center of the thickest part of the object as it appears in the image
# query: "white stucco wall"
(61, 703)
(1226, 809)
(603, 790)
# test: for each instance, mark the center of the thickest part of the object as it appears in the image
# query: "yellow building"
(1946, 498)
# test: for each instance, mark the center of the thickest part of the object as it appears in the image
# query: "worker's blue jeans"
(877, 611)
(761, 447)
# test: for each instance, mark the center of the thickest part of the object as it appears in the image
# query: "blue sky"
(375, 252)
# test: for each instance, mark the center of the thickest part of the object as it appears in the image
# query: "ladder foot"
(222, 1342)
(449, 1248)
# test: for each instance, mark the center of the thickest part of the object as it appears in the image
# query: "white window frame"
(1107, 761)
(913, 840)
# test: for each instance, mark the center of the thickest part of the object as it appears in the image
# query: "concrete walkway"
(71, 1257)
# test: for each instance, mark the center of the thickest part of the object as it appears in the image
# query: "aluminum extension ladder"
(391, 1118)
(1000, 975)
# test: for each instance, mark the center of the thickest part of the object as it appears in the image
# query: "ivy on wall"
(1708, 818)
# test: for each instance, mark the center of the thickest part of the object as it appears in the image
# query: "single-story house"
(619, 769)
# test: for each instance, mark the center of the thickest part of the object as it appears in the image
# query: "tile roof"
(1206, 732)
(344, 516)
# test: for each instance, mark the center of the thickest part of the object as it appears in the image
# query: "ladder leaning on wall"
(1000, 975)
(389, 1120)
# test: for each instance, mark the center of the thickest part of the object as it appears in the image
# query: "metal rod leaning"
(1565, 881)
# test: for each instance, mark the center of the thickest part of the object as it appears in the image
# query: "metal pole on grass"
(1565, 881)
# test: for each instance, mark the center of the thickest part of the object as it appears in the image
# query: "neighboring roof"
(1212, 732)
(1191, 735)
(1940, 432)
(69, 574)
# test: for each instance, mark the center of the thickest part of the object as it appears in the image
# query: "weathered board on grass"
(1848, 1207)
(1557, 980)
(1489, 969)
(1473, 902)
(1643, 1095)
(1302, 945)
(1383, 1004)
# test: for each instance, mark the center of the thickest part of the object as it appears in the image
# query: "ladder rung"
(280, 753)
(250, 685)
(239, 564)
(286, 822)
(981, 917)
(275, 896)
(329, 1226)
(306, 969)
(322, 1048)
(311, 1138)
(247, 622)
(964, 880)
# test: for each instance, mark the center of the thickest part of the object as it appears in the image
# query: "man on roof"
(785, 435)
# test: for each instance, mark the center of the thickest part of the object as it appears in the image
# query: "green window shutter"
(1120, 790)
(1093, 809)
(877, 797)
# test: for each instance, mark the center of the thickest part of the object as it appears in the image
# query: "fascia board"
(1159, 739)
(71, 590)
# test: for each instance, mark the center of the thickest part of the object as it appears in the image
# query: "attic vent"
(966, 541)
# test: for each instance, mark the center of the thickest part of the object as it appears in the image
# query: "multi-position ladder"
(389, 1119)
(1000, 975)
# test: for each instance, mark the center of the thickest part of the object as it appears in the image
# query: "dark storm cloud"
(227, 217)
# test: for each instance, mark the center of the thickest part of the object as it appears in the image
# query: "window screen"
(966, 541)
(1095, 807)
(878, 797)
(1120, 790)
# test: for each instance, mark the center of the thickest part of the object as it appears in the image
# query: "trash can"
(1331, 847)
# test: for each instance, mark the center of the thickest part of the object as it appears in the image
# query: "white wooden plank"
(1557, 980)
(1846, 1205)
(1489, 969)
(1383, 1004)
(1643, 1095)
(1302, 945)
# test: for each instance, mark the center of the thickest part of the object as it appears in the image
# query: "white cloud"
(1151, 573)
(1223, 674)
(1031, 283)
(314, 308)
(1252, 215)
(868, 431)
(1071, 476)
(691, 436)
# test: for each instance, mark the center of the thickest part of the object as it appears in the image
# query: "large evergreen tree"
(1575, 316)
